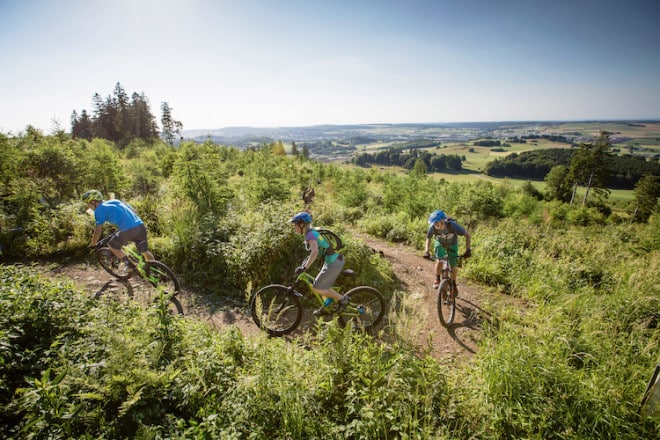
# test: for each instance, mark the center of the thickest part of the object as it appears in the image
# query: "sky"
(277, 63)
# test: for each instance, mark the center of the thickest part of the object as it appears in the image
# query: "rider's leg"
(116, 244)
(324, 282)
(118, 253)
(328, 293)
(453, 254)
(439, 252)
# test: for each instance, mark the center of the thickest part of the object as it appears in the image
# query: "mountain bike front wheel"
(446, 302)
(113, 265)
(161, 277)
(365, 310)
(276, 309)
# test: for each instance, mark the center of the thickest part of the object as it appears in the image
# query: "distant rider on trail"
(445, 232)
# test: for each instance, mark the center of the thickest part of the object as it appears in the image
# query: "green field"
(636, 138)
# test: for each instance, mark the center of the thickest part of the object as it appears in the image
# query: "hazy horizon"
(292, 63)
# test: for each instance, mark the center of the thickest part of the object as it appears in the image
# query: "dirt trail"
(414, 272)
(416, 275)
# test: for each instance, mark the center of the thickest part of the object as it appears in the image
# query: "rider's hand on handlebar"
(300, 269)
(467, 253)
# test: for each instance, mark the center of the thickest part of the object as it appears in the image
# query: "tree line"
(392, 157)
(623, 172)
(121, 119)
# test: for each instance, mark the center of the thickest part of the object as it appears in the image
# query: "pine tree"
(646, 193)
(589, 167)
(171, 128)
(558, 187)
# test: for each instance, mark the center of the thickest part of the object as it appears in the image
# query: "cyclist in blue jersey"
(333, 263)
(445, 232)
(123, 216)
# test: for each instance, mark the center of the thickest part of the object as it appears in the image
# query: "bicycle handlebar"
(103, 241)
(432, 258)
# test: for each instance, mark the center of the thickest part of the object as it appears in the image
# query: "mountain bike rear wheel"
(276, 310)
(161, 277)
(113, 265)
(446, 302)
(365, 310)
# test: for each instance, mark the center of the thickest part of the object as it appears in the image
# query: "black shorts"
(137, 235)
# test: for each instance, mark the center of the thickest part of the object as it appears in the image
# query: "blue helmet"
(304, 217)
(437, 216)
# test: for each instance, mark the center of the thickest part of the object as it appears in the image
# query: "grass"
(572, 364)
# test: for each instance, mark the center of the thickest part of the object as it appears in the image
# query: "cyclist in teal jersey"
(333, 263)
(445, 232)
(130, 225)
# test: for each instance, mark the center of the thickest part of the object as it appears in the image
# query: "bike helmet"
(92, 195)
(304, 217)
(437, 216)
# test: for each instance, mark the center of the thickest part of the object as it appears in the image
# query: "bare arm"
(97, 234)
(313, 253)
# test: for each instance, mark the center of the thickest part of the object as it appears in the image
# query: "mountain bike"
(447, 291)
(157, 273)
(278, 309)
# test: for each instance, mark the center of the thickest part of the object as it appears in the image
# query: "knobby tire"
(276, 310)
(365, 310)
(112, 264)
(161, 277)
(446, 303)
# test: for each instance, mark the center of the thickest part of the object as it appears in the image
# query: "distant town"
(582, 131)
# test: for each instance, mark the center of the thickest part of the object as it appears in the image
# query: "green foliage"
(570, 361)
(520, 205)
(117, 119)
(72, 367)
(199, 178)
(535, 164)
(89, 368)
(559, 188)
(647, 192)
(351, 190)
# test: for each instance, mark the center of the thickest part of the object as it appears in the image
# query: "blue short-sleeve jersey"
(117, 213)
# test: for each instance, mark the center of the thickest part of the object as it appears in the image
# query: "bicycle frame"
(136, 259)
(447, 267)
(308, 280)
(447, 290)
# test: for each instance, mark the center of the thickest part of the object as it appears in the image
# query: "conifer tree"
(589, 167)
(171, 128)
(646, 193)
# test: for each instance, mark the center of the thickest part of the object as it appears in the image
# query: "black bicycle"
(278, 309)
(157, 273)
(447, 290)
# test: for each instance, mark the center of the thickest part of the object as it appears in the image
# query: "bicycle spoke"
(276, 310)
(161, 277)
(112, 264)
(366, 308)
(446, 303)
